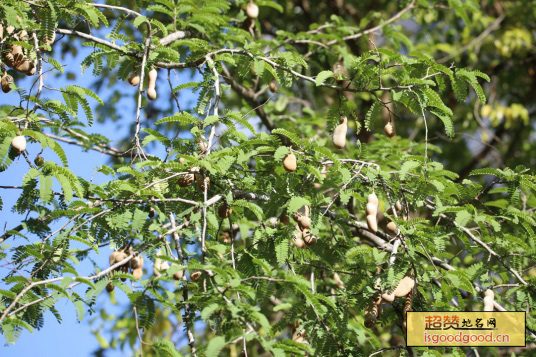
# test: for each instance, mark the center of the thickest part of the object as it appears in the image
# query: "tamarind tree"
(341, 165)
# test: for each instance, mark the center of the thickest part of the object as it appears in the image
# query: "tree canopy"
(335, 151)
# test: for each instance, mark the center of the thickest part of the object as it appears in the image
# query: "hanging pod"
(339, 134)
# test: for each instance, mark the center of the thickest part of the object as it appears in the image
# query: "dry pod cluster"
(372, 211)
(136, 264)
(339, 134)
(303, 236)
(19, 144)
(151, 91)
(289, 163)
(116, 257)
(15, 57)
(489, 298)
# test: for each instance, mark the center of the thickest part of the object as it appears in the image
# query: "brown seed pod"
(298, 336)
(137, 273)
(304, 222)
(178, 275)
(201, 145)
(1, 32)
(33, 69)
(201, 184)
(489, 298)
(136, 262)
(338, 280)
(284, 219)
(110, 287)
(273, 86)
(224, 211)
(19, 144)
(308, 238)
(39, 161)
(186, 180)
(389, 130)
(134, 79)
(252, 10)
(389, 296)
(289, 163)
(114, 257)
(372, 210)
(152, 212)
(391, 226)
(405, 286)
(398, 206)
(339, 134)
(225, 237)
(195, 275)
(373, 311)
(298, 239)
(151, 91)
(7, 80)
(407, 307)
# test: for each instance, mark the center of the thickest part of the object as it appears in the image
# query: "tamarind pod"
(372, 312)
(33, 69)
(308, 238)
(338, 280)
(195, 275)
(137, 273)
(489, 298)
(252, 10)
(339, 134)
(289, 163)
(19, 144)
(186, 180)
(273, 86)
(178, 275)
(372, 223)
(202, 183)
(298, 238)
(151, 92)
(7, 80)
(136, 262)
(404, 286)
(1, 32)
(284, 219)
(110, 287)
(134, 79)
(407, 307)
(389, 130)
(24, 66)
(398, 206)
(388, 296)
(372, 209)
(10, 29)
(18, 53)
(114, 257)
(391, 226)
(304, 222)
(22, 36)
(202, 146)
(372, 198)
(224, 211)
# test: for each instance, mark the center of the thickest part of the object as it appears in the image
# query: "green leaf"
(322, 76)
(215, 346)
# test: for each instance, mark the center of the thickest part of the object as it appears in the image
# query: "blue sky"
(56, 339)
